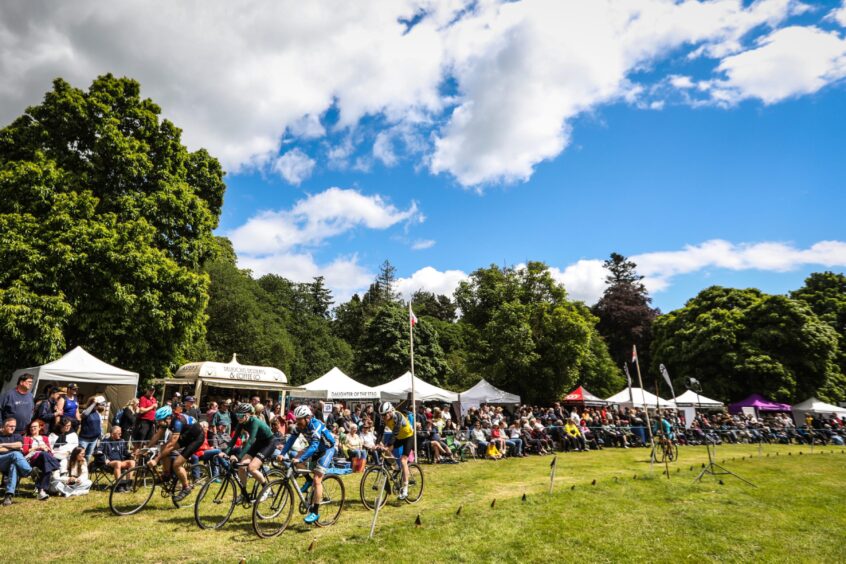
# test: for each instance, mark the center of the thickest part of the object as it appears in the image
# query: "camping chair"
(100, 474)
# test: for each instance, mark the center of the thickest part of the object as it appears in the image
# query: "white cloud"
(316, 218)
(789, 62)
(422, 244)
(294, 166)
(429, 279)
(583, 280)
(243, 80)
(838, 14)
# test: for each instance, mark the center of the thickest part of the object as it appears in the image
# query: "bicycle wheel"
(332, 503)
(198, 475)
(140, 483)
(372, 481)
(215, 502)
(673, 452)
(274, 508)
(415, 483)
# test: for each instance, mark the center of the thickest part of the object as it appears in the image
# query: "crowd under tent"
(485, 392)
(92, 375)
(815, 406)
(232, 375)
(335, 385)
(638, 397)
(755, 403)
(581, 396)
(400, 390)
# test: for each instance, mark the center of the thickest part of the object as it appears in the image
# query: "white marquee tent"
(92, 375)
(398, 390)
(336, 385)
(815, 406)
(485, 392)
(638, 398)
(691, 398)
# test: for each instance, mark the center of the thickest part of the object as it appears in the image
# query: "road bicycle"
(135, 487)
(221, 494)
(664, 449)
(388, 472)
(275, 506)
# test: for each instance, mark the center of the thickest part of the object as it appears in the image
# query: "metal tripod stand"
(715, 469)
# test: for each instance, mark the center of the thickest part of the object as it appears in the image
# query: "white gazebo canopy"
(231, 374)
(400, 388)
(91, 374)
(336, 385)
(485, 392)
(638, 398)
(815, 406)
(691, 398)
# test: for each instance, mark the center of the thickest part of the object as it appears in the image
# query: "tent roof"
(697, 400)
(760, 403)
(814, 405)
(401, 387)
(232, 374)
(485, 392)
(337, 385)
(641, 398)
(81, 367)
(581, 395)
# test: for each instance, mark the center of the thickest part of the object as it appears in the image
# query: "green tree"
(625, 316)
(430, 305)
(736, 342)
(105, 220)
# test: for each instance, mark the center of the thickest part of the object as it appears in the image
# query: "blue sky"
(703, 139)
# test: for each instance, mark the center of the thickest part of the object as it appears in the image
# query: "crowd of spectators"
(61, 441)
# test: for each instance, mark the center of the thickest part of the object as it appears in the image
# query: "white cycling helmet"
(386, 408)
(302, 412)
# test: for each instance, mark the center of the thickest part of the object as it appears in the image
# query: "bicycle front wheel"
(332, 503)
(215, 502)
(273, 510)
(137, 487)
(374, 480)
(673, 452)
(415, 483)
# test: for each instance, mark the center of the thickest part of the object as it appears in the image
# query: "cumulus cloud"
(429, 279)
(482, 91)
(838, 15)
(294, 166)
(423, 244)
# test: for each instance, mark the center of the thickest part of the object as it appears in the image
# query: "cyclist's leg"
(322, 466)
(167, 465)
(242, 470)
(179, 468)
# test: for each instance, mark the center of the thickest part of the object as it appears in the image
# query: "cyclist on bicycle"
(186, 438)
(256, 449)
(320, 443)
(402, 434)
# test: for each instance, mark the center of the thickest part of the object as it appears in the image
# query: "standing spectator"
(223, 416)
(64, 440)
(190, 408)
(12, 461)
(91, 428)
(18, 403)
(68, 405)
(116, 455)
(262, 414)
(45, 410)
(146, 422)
(75, 481)
(126, 420)
(36, 449)
(211, 412)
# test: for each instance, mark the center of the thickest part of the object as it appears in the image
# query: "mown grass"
(796, 514)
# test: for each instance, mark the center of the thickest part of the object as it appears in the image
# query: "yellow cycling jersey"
(399, 421)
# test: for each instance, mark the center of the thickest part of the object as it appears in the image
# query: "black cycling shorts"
(403, 447)
(190, 441)
(263, 450)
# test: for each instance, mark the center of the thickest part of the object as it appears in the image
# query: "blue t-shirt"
(13, 438)
(17, 405)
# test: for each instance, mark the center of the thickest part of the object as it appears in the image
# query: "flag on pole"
(634, 354)
(628, 376)
(411, 317)
(665, 374)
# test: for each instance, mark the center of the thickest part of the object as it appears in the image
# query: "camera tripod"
(715, 469)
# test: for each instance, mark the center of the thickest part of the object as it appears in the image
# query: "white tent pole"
(413, 397)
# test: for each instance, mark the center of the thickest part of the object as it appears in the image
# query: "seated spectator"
(477, 435)
(12, 461)
(37, 451)
(513, 439)
(354, 444)
(115, 455)
(368, 440)
(498, 438)
(63, 440)
(75, 480)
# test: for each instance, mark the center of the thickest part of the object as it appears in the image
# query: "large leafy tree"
(528, 337)
(736, 342)
(105, 220)
(624, 311)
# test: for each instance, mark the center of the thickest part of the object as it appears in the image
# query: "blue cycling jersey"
(180, 422)
(318, 436)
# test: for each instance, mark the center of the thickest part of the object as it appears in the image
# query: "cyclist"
(186, 438)
(402, 434)
(320, 443)
(257, 447)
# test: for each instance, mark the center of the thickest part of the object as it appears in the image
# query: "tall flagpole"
(411, 320)
(642, 398)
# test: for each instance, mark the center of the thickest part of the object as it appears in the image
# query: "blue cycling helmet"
(163, 413)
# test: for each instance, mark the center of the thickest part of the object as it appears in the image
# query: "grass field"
(796, 513)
